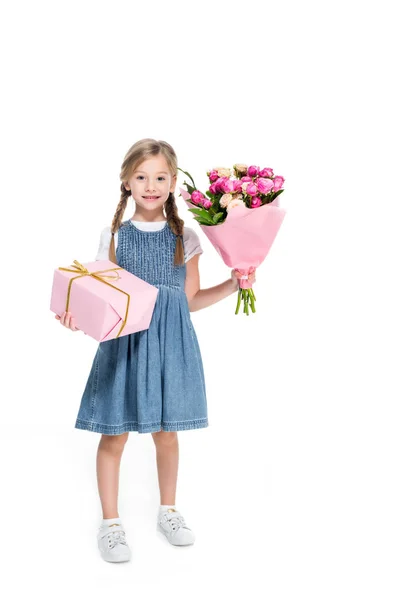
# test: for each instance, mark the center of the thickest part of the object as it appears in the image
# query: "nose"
(150, 186)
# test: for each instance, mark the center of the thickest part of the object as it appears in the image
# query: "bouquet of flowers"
(240, 215)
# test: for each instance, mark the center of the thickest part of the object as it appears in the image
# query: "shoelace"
(176, 521)
(116, 537)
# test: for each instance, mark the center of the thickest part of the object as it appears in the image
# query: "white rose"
(235, 203)
(225, 199)
(240, 168)
(222, 172)
(244, 186)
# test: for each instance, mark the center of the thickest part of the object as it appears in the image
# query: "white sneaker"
(112, 543)
(173, 526)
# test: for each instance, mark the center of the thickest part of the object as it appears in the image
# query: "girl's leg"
(108, 462)
(167, 451)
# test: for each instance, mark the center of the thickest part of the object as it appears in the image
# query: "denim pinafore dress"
(152, 379)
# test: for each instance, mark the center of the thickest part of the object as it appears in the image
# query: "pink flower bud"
(227, 186)
(264, 185)
(237, 185)
(251, 189)
(213, 175)
(255, 202)
(207, 203)
(253, 171)
(197, 197)
(266, 173)
(246, 178)
(213, 188)
(218, 185)
(278, 182)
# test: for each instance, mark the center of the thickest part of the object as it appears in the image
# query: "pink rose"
(227, 186)
(266, 173)
(264, 185)
(213, 175)
(237, 185)
(197, 197)
(246, 178)
(213, 188)
(278, 182)
(255, 202)
(207, 203)
(251, 189)
(253, 171)
(218, 185)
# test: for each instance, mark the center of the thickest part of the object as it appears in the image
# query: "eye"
(142, 176)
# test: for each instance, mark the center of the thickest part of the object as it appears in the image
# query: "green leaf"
(201, 212)
(204, 213)
(275, 195)
(190, 177)
(207, 220)
(203, 221)
(189, 188)
(217, 217)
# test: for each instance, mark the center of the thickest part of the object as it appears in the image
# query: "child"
(151, 380)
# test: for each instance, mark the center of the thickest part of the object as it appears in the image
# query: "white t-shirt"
(191, 242)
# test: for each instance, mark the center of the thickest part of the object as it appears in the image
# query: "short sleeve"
(104, 244)
(191, 243)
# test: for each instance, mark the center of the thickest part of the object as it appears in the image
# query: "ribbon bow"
(83, 272)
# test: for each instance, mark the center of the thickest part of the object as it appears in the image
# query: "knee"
(165, 438)
(113, 443)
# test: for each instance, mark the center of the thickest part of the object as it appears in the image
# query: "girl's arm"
(197, 298)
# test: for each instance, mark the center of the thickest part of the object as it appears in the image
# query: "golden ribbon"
(83, 272)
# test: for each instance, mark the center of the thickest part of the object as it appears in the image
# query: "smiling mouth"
(151, 197)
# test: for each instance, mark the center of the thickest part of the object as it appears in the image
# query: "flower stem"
(253, 308)
(238, 301)
(246, 302)
(248, 297)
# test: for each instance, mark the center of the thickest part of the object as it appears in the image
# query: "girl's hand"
(68, 321)
(236, 275)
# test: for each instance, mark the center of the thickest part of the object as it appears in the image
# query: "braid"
(117, 220)
(176, 224)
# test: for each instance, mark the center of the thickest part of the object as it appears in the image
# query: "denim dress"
(152, 379)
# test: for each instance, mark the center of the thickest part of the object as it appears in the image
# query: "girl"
(151, 380)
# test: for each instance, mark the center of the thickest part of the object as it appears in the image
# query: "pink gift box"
(105, 305)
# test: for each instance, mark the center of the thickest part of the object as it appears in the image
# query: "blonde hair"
(139, 152)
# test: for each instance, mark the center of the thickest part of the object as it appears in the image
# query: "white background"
(293, 490)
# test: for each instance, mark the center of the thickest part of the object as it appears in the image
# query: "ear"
(127, 186)
(173, 184)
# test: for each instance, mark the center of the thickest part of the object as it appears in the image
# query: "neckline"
(145, 231)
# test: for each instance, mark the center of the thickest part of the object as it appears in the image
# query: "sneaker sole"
(115, 559)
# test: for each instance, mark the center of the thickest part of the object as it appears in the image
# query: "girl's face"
(150, 185)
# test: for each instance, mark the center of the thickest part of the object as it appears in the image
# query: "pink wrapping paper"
(244, 239)
(99, 309)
